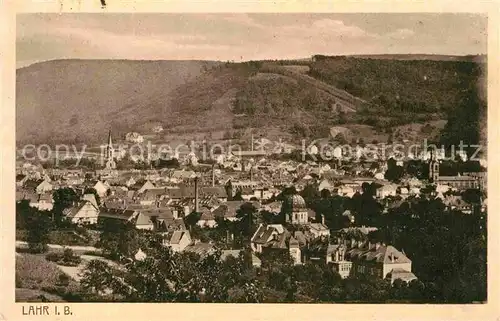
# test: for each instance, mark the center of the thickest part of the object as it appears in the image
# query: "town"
(287, 225)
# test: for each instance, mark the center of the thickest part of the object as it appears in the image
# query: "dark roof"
(201, 248)
(119, 214)
(32, 184)
(230, 208)
(384, 254)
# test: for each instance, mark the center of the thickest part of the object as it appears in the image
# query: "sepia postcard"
(249, 161)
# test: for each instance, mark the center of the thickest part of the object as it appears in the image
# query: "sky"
(41, 37)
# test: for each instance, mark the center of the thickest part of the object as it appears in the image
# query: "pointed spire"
(110, 143)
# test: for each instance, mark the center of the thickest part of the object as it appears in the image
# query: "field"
(35, 276)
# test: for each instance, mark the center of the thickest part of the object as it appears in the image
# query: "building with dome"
(297, 212)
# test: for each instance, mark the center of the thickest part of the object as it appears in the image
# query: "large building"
(296, 208)
(379, 260)
(460, 182)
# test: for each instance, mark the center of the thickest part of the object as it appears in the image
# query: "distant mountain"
(78, 101)
(469, 58)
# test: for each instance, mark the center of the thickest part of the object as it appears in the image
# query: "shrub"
(67, 258)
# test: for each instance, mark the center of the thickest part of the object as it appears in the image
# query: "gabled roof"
(385, 254)
(32, 184)
(73, 211)
(319, 227)
(200, 248)
(174, 237)
(401, 274)
(152, 194)
(90, 198)
(46, 197)
(143, 219)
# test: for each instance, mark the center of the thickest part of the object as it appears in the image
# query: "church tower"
(110, 154)
(433, 169)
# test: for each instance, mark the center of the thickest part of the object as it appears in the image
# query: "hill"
(80, 100)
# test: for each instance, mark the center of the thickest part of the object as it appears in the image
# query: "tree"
(63, 199)
(97, 276)
(472, 196)
(118, 239)
(191, 219)
(394, 173)
(39, 227)
(247, 215)
(310, 193)
(237, 196)
(340, 138)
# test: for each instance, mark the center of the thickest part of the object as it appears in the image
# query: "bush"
(67, 258)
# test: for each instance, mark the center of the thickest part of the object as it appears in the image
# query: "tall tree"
(38, 226)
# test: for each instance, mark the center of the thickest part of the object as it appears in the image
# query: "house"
(45, 202)
(124, 215)
(386, 190)
(140, 255)
(134, 137)
(91, 198)
(256, 262)
(459, 182)
(325, 184)
(349, 215)
(44, 187)
(152, 196)
(453, 202)
(335, 255)
(274, 207)
(229, 209)
(161, 219)
(347, 190)
(379, 260)
(274, 237)
(21, 179)
(100, 188)
(319, 230)
(177, 240)
(268, 236)
(207, 219)
(142, 187)
(144, 222)
(83, 213)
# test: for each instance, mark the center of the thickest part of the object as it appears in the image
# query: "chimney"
(175, 213)
(196, 201)
(323, 219)
(370, 245)
(213, 175)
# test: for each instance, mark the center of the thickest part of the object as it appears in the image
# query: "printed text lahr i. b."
(44, 310)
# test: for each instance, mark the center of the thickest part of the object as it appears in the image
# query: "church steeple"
(110, 143)
(110, 154)
(433, 168)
